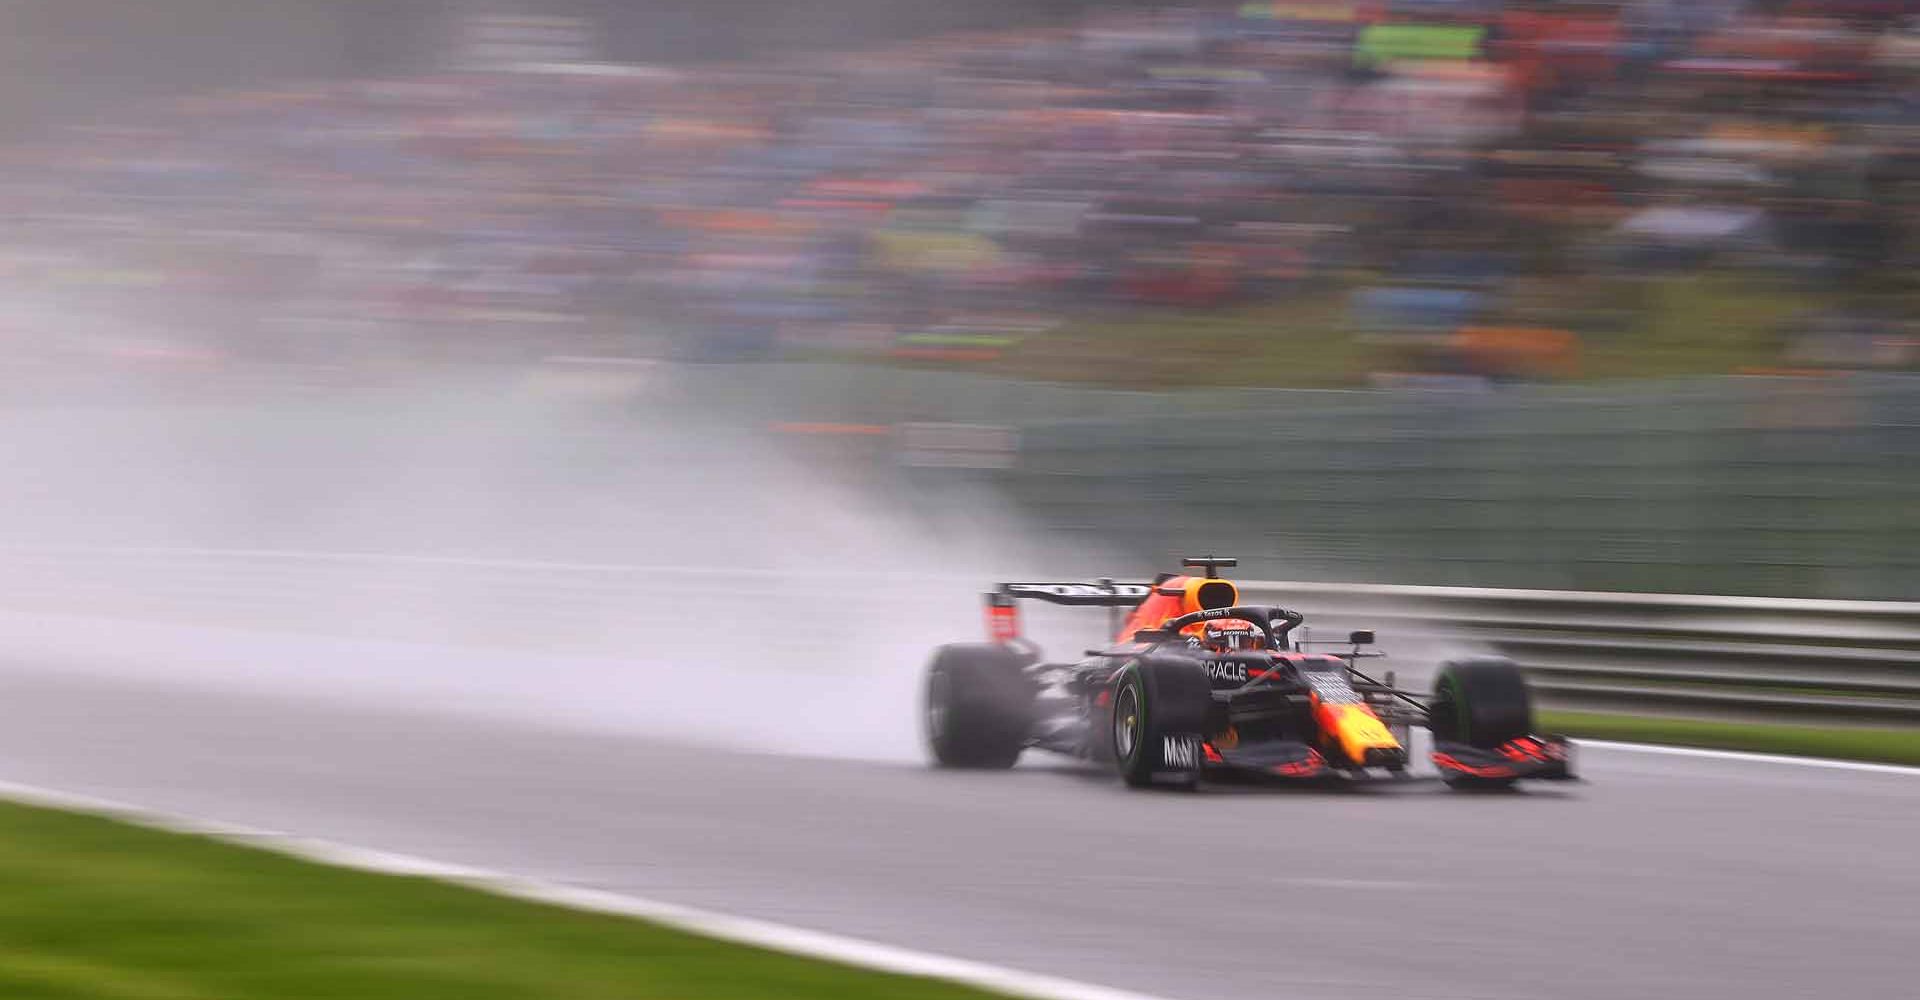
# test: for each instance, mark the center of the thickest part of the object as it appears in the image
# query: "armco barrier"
(1772, 658)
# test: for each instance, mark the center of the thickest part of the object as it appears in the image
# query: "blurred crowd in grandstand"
(1482, 187)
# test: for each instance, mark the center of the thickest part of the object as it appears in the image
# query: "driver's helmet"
(1230, 636)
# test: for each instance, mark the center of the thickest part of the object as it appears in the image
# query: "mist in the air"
(634, 562)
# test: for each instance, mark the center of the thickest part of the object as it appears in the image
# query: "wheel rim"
(937, 705)
(1126, 723)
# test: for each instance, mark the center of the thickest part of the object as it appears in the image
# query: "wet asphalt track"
(1660, 877)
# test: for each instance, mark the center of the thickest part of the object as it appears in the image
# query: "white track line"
(1754, 758)
(741, 930)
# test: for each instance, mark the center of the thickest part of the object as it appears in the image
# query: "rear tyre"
(1160, 710)
(978, 707)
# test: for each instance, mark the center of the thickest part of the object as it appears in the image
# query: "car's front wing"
(1548, 758)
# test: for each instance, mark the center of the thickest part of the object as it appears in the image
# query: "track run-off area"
(1663, 874)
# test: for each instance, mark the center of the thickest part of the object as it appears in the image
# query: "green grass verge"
(1896, 746)
(92, 908)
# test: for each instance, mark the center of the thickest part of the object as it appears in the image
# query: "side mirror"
(1362, 637)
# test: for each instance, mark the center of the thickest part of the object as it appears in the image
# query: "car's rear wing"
(1003, 616)
(1101, 594)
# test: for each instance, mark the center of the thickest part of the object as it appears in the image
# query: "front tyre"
(1160, 710)
(1482, 703)
(978, 706)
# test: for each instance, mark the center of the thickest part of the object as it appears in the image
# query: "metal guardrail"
(1753, 657)
(1761, 658)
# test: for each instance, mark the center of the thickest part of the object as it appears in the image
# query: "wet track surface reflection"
(1659, 876)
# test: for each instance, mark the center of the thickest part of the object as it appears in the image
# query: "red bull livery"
(1197, 684)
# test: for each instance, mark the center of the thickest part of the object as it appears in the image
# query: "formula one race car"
(1197, 683)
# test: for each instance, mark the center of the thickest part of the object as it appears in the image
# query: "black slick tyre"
(978, 706)
(1160, 710)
